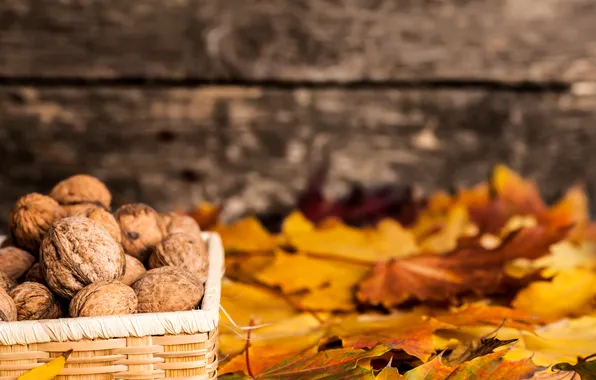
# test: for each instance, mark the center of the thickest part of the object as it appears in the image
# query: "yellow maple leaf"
(439, 232)
(570, 293)
(330, 284)
(386, 241)
(246, 235)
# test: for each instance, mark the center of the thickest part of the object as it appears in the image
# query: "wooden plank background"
(186, 100)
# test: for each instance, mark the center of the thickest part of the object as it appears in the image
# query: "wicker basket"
(180, 345)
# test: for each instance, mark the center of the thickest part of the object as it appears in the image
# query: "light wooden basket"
(177, 345)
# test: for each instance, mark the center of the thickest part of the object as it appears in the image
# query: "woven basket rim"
(134, 325)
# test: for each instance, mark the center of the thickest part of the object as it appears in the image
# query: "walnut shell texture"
(8, 309)
(6, 283)
(15, 262)
(141, 227)
(34, 301)
(31, 217)
(168, 289)
(82, 188)
(34, 274)
(181, 250)
(176, 222)
(79, 209)
(78, 251)
(103, 298)
(134, 269)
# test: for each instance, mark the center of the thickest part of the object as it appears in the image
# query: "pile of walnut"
(67, 255)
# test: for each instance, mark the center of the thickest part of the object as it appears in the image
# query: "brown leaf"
(470, 269)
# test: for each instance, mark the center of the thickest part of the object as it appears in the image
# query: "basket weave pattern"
(178, 345)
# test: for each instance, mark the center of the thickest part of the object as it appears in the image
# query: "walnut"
(30, 219)
(7, 242)
(176, 222)
(134, 269)
(168, 289)
(8, 310)
(103, 298)
(34, 274)
(181, 250)
(78, 251)
(6, 283)
(15, 262)
(141, 227)
(82, 188)
(34, 301)
(79, 209)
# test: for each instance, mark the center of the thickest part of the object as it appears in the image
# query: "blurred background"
(235, 101)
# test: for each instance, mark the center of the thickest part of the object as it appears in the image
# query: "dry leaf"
(388, 240)
(331, 364)
(389, 373)
(246, 235)
(442, 278)
(272, 344)
(570, 293)
(330, 284)
(206, 214)
(491, 366)
(439, 232)
(411, 332)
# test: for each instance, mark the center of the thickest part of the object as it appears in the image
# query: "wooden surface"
(255, 147)
(300, 40)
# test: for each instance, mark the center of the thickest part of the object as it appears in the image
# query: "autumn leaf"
(442, 278)
(270, 345)
(387, 240)
(569, 293)
(562, 256)
(439, 232)
(479, 315)
(491, 366)
(246, 235)
(246, 303)
(585, 368)
(411, 332)
(389, 373)
(330, 364)
(329, 284)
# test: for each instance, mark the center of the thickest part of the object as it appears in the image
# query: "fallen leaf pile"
(487, 282)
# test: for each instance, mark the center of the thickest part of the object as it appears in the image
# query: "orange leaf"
(246, 235)
(331, 364)
(468, 269)
(477, 314)
(410, 332)
(573, 209)
(491, 366)
(520, 194)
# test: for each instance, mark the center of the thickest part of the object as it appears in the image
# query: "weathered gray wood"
(255, 148)
(300, 40)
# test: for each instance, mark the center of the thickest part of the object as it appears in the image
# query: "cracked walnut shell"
(15, 262)
(31, 217)
(141, 227)
(82, 188)
(78, 251)
(181, 250)
(103, 298)
(8, 309)
(168, 289)
(34, 301)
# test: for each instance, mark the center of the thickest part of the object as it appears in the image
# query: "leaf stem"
(247, 358)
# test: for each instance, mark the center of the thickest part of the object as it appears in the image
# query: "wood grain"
(255, 148)
(300, 40)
